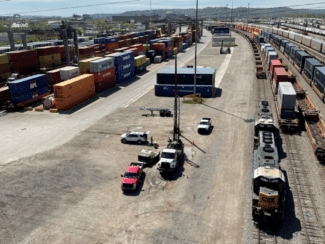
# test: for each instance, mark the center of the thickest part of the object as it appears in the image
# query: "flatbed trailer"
(318, 92)
(316, 131)
(306, 78)
(11, 106)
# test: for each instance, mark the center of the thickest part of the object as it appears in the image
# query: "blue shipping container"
(150, 53)
(169, 54)
(27, 84)
(185, 76)
(319, 75)
(293, 51)
(268, 48)
(182, 90)
(288, 48)
(123, 58)
(300, 59)
(221, 30)
(125, 75)
(29, 95)
(309, 67)
(184, 45)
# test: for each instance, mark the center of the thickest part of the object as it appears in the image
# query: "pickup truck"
(132, 176)
(171, 156)
(147, 157)
(204, 125)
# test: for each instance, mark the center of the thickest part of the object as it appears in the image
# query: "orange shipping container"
(66, 103)
(70, 87)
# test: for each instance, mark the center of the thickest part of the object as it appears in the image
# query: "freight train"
(267, 178)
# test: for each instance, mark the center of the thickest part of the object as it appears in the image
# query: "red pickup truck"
(132, 176)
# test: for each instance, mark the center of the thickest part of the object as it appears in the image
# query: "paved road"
(26, 133)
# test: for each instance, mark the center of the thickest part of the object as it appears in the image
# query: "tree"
(125, 25)
(100, 25)
(78, 31)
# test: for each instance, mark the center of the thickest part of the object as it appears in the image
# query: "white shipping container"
(280, 32)
(316, 44)
(298, 38)
(306, 40)
(158, 59)
(323, 48)
(274, 30)
(285, 34)
(269, 29)
(69, 72)
(147, 61)
(100, 65)
(291, 35)
(286, 96)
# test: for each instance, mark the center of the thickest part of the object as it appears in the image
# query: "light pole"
(196, 40)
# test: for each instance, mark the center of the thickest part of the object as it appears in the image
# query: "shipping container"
(140, 60)
(275, 63)
(293, 52)
(292, 35)
(309, 67)
(306, 40)
(76, 98)
(46, 51)
(105, 84)
(267, 48)
(283, 45)
(298, 38)
(104, 75)
(300, 59)
(319, 77)
(157, 59)
(286, 96)
(69, 72)
(123, 58)
(317, 44)
(27, 84)
(270, 56)
(125, 75)
(22, 55)
(4, 95)
(288, 48)
(140, 69)
(185, 76)
(70, 87)
(182, 90)
(4, 59)
(19, 98)
(99, 65)
(84, 64)
(53, 76)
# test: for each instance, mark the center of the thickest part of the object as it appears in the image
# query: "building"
(16, 16)
(76, 17)
(86, 17)
(140, 18)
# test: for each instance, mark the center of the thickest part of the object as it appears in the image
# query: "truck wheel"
(123, 140)
(139, 142)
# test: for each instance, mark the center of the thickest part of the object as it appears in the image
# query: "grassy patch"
(172, 132)
(197, 101)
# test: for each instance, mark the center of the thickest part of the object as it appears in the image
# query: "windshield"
(143, 159)
(130, 175)
(203, 123)
(167, 155)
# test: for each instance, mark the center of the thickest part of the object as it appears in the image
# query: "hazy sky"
(118, 6)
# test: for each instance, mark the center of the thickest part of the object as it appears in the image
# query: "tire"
(139, 142)
(123, 141)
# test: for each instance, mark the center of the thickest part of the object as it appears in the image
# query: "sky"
(69, 7)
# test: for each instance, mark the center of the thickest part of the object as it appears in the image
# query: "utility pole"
(176, 128)
(196, 40)
(248, 14)
(232, 9)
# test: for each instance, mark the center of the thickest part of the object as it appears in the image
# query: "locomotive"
(267, 178)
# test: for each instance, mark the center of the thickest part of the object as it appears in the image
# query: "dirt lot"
(72, 194)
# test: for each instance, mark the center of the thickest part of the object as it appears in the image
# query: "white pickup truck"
(204, 125)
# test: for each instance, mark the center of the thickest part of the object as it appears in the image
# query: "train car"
(264, 118)
(267, 178)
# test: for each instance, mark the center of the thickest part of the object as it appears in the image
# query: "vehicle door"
(133, 138)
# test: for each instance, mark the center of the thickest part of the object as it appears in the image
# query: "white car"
(139, 137)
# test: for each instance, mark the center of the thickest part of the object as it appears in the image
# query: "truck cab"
(132, 176)
(171, 156)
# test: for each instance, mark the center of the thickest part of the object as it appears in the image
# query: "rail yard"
(256, 175)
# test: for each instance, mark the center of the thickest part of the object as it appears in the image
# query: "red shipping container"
(24, 63)
(169, 49)
(135, 50)
(280, 75)
(45, 51)
(138, 46)
(106, 84)
(86, 50)
(4, 95)
(22, 55)
(104, 75)
(275, 63)
(27, 69)
(4, 68)
(158, 46)
(122, 43)
(53, 77)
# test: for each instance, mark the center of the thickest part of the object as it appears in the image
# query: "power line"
(84, 6)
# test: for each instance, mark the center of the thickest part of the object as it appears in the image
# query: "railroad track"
(310, 221)
(264, 236)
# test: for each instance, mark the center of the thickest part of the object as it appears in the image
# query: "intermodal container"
(185, 76)
(140, 69)
(123, 58)
(53, 76)
(286, 96)
(309, 67)
(288, 48)
(70, 87)
(99, 65)
(106, 84)
(298, 38)
(319, 78)
(18, 98)
(84, 64)
(270, 56)
(293, 51)
(104, 75)
(22, 55)
(4, 59)
(45, 51)
(300, 59)
(275, 63)
(283, 45)
(27, 84)
(4, 95)
(69, 72)
(306, 40)
(125, 75)
(182, 90)
(317, 44)
(4, 68)
(76, 98)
